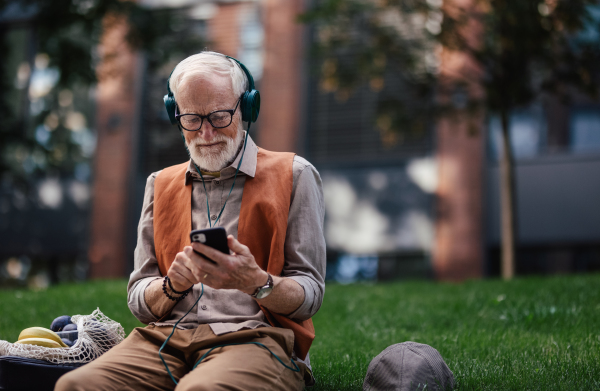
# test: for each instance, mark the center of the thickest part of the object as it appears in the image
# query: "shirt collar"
(247, 167)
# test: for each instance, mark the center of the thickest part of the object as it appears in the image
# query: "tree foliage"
(358, 42)
(67, 34)
(511, 53)
(519, 49)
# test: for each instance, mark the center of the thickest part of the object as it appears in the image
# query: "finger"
(195, 266)
(188, 250)
(182, 259)
(236, 246)
(205, 265)
(198, 264)
(213, 255)
(199, 257)
(189, 263)
(192, 253)
(181, 275)
(181, 281)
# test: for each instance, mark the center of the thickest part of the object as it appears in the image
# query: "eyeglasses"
(218, 119)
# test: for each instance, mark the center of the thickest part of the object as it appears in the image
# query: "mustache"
(217, 139)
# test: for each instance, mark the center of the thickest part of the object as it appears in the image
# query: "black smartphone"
(213, 237)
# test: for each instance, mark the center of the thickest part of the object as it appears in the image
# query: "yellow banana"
(40, 332)
(45, 342)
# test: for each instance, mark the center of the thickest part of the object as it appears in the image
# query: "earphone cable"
(232, 186)
(295, 369)
(173, 331)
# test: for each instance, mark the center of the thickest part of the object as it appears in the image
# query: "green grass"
(528, 334)
(20, 309)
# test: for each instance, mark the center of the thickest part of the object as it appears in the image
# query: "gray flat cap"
(408, 366)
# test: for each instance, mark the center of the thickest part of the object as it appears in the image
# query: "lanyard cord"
(295, 369)
(202, 177)
(230, 190)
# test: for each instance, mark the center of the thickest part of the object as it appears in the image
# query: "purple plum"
(70, 327)
(59, 323)
(68, 342)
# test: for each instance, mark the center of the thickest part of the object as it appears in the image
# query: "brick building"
(426, 206)
(421, 207)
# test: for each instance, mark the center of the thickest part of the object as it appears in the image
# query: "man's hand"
(228, 271)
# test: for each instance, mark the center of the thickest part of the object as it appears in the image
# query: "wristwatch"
(265, 290)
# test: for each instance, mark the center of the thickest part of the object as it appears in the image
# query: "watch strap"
(268, 285)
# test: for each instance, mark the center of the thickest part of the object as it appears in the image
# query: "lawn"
(527, 334)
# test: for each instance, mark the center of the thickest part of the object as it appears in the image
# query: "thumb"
(236, 246)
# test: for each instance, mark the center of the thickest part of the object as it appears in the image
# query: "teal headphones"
(249, 106)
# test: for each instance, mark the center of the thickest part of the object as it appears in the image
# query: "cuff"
(137, 301)
(311, 303)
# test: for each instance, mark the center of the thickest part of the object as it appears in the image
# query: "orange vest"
(265, 205)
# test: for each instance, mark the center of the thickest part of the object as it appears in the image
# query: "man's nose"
(207, 132)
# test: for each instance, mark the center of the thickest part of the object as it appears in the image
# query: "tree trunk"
(507, 202)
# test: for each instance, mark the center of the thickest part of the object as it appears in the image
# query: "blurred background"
(402, 107)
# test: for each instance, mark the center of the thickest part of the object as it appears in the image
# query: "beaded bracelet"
(183, 294)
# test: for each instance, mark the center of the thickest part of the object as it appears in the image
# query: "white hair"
(205, 63)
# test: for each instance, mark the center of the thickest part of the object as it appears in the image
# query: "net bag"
(96, 335)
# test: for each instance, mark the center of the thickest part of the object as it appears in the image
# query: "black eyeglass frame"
(207, 116)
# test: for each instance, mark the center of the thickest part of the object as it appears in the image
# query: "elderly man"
(251, 328)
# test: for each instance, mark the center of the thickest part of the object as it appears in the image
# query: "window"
(584, 129)
(528, 133)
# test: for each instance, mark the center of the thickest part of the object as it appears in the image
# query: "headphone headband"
(246, 71)
(249, 105)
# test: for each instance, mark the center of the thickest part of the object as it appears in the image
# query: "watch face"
(264, 293)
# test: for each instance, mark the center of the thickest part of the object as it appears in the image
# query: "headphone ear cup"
(170, 105)
(250, 106)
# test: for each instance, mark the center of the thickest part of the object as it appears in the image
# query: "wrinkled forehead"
(205, 82)
(206, 92)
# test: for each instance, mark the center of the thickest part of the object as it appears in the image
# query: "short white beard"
(214, 162)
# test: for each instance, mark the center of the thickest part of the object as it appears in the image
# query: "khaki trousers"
(134, 364)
